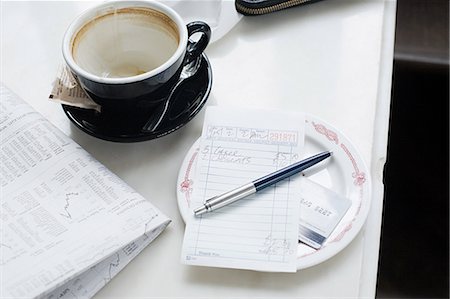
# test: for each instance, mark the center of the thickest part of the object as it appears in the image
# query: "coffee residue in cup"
(125, 42)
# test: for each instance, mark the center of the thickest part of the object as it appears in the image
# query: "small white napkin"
(220, 15)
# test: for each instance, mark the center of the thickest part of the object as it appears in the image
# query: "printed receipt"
(259, 232)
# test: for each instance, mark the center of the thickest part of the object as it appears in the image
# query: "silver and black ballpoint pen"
(257, 185)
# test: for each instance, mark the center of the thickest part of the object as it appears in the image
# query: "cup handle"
(195, 49)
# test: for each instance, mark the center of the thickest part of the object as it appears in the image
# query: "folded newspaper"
(67, 223)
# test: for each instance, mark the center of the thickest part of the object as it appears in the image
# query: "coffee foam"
(125, 41)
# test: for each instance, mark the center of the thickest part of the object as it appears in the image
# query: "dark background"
(414, 251)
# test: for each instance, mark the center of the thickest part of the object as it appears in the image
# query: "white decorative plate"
(347, 175)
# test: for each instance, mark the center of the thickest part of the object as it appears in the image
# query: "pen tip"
(200, 210)
(331, 153)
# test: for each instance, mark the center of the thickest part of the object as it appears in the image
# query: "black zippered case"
(260, 7)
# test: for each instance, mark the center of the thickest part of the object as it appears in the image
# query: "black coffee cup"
(128, 55)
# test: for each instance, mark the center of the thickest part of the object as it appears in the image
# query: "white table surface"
(332, 59)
